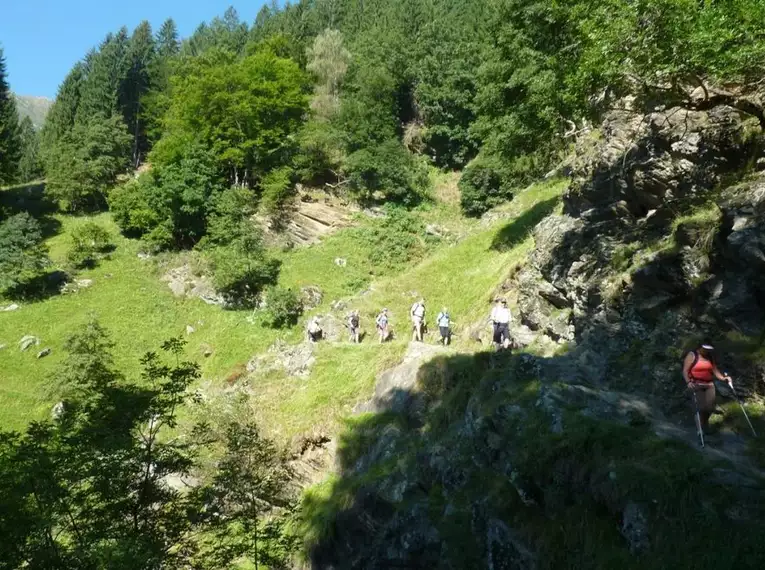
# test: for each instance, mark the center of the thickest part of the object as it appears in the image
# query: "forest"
(184, 140)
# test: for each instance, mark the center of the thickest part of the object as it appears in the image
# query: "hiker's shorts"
(705, 395)
(501, 332)
(444, 332)
(416, 321)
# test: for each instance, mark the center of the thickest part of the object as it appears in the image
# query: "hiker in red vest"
(699, 372)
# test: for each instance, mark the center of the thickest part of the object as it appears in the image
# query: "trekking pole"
(735, 395)
(699, 431)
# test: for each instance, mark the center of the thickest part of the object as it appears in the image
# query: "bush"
(278, 188)
(23, 256)
(396, 240)
(284, 308)
(483, 186)
(229, 219)
(388, 169)
(90, 242)
(241, 270)
(169, 206)
(320, 153)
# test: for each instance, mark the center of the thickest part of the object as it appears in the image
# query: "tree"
(245, 110)
(30, 163)
(106, 76)
(23, 254)
(62, 114)
(90, 242)
(140, 55)
(328, 60)
(167, 40)
(10, 145)
(84, 165)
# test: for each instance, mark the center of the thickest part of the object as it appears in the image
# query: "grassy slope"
(141, 312)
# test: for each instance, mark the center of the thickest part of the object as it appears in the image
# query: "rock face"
(649, 253)
(28, 341)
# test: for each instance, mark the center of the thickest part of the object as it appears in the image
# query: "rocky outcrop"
(650, 255)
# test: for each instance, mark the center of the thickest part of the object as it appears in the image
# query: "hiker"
(314, 330)
(444, 326)
(382, 325)
(417, 313)
(354, 325)
(699, 372)
(500, 318)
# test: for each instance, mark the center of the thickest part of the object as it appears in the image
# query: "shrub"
(229, 219)
(320, 153)
(284, 308)
(241, 270)
(388, 169)
(278, 188)
(169, 206)
(23, 256)
(396, 240)
(483, 186)
(90, 242)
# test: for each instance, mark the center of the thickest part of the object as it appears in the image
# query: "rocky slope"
(585, 458)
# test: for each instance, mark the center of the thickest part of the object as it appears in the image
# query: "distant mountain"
(36, 108)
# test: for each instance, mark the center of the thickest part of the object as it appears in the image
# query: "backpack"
(354, 321)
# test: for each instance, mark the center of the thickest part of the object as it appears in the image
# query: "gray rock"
(190, 330)
(338, 305)
(206, 350)
(341, 261)
(11, 307)
(634, 528)
(57, 411)
(311, 295)
(83, 283)
(28, 341)
(43, 353)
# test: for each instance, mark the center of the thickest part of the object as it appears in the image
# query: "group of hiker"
(500, 319)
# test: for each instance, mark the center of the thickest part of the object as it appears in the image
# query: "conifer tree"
(10, 147)
(30, 167)
(107, 72)
(63, 112)
(141, 53)
(167, 40)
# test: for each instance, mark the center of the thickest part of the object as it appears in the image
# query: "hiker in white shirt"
(417, 313)
(501, 318)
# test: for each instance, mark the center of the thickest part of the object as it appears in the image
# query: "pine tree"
(63, 112)
(167, 39)
(141, 54)
(10, 146)
(30, 167)
(107, 72)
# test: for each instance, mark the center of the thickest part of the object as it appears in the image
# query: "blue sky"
(42, 39)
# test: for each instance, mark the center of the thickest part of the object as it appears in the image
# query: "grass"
(140, 312)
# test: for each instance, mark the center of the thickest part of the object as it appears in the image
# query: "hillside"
(36, 108)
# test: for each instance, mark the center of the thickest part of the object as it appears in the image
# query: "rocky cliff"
(585, 456)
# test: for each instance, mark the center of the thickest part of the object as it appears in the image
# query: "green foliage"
(242, 269)
(483, 186)
(23, 255)
(85, 162)
(168, 206)
(89, 489)
(244, 110)
(30, 164)
(283, 308)
(278, 188)
(229, 220)
(388, 169)
(328, 60)
(320, 153)
(90, 242)
(10, 145)
(398, 240)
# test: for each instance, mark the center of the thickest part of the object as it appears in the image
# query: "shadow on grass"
(31, 198)
(517, 230)
(470, 469)
(38, 288)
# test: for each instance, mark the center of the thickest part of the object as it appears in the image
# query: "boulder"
(43, 353)
(57, 411)
(341, 261)
(311, 296)
(28, 341)
(206, 350)
(190, 330)
(11, 307)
